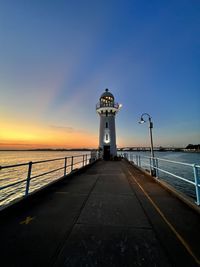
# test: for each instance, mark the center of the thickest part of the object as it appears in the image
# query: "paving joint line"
(67, 234)
(146, 214)
(171, 227)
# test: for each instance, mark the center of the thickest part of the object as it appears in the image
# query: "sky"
(57, 58)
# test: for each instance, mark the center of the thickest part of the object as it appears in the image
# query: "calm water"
(8, 176)
(11, 175)
(180, 170)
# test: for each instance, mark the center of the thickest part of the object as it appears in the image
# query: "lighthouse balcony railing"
(19, 180)
(103, 105)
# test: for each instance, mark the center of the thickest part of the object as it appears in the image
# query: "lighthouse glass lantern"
(107, 109)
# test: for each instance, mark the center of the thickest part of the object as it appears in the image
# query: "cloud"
(67, 129)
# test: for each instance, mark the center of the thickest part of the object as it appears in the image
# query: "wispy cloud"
(67, 129)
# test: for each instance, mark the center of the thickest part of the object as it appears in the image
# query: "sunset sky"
(57, 57)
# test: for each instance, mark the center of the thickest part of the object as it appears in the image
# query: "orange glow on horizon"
(29, 137)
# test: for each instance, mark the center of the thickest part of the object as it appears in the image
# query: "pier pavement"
(112, 214)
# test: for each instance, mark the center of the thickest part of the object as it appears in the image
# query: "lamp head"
(141, 121)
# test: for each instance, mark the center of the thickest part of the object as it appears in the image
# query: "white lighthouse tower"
(107, 109)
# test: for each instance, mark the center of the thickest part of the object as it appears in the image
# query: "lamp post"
(142, 120)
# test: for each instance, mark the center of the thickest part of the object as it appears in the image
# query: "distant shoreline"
(49, 149)
(163, 151)
(90, 149)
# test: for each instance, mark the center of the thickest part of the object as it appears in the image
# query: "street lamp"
(142, 120)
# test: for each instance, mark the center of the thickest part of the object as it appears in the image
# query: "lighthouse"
(107, 109)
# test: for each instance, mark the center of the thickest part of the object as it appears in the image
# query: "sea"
(16, 174)
(19, 173)
(183, 171)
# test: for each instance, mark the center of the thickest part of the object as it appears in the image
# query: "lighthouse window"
(106, 125)
(106, 137)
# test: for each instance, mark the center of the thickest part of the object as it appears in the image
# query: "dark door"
(106, 152)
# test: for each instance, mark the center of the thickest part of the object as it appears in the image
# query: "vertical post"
(91, 157)
(86, 159)
(197, 183)
(137, 160)
(152, 170)
(65, 167)
(157, 171)
(150, 164)
(28, 178)
(151, 138)
(83, 160)
(72, 163)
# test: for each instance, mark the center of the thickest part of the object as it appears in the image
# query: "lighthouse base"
(106, 152)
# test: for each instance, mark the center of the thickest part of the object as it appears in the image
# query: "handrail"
(174, 175)
(105, 105)
(9, 185)
(172, 161)
(69, 162)
(11, 166)
(154, 168)
(37, 162)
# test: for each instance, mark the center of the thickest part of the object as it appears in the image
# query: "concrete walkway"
(110, 215)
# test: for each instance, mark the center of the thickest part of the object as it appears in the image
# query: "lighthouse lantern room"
(107, 109)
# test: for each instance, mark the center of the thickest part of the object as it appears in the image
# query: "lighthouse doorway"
(106, 152)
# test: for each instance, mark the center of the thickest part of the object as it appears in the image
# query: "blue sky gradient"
(57, 57)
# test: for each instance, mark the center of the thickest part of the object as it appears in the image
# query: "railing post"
(91, 157)
(28, 178)
(139, 161)
(72, 163)
(157, 171)
(83, 160)
(150, 165)
(65, 167)
(86, 159)
(197, 183)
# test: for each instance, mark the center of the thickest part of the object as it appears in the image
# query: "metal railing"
(153, 165)
(68, 164)
(109, 104)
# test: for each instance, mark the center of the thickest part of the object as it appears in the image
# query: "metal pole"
(28, 178)
(150, 164)
(72, 163)
(91, 157)
(197, 183)
(153, 171)
(151, 138)
(83, 160)
(152, 151)
(65, 167)
(86, 159)
(157, 171)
